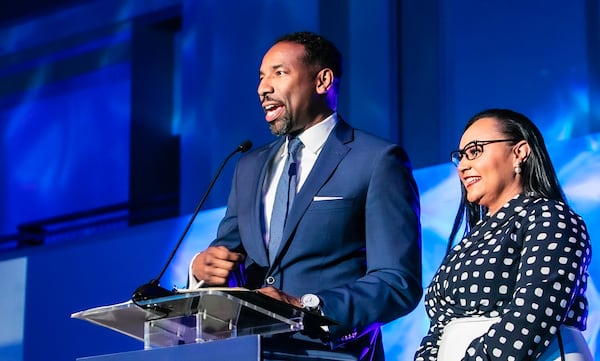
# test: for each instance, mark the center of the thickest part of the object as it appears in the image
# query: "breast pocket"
(324, 204)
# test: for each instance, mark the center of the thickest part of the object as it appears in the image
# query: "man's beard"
(281, 126)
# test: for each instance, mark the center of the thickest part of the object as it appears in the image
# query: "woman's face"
(489, 178)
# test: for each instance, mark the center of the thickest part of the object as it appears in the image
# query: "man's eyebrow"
(272, 67)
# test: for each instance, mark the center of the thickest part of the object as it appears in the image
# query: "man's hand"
(214, 264)
(280, 295)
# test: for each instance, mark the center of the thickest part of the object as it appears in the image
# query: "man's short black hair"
(320, 52)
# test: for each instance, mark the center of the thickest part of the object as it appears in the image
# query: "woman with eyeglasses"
(514, 287)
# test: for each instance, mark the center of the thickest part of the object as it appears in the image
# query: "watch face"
(310, 301)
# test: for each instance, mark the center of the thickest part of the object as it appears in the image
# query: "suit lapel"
(256, 218)
(334, 150)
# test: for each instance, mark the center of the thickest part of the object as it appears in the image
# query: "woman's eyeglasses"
(473, 150)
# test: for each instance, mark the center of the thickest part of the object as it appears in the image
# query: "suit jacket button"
(270, 280)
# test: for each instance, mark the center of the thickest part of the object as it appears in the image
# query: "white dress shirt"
(313, 140)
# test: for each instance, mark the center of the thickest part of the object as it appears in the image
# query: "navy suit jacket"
(352, 236)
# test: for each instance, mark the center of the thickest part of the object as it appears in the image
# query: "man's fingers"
(214, 264)
(271, 292)
(221, 252)
(280, 295)
(220, 260)
(216, 278)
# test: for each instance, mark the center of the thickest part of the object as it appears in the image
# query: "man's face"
(287, 88)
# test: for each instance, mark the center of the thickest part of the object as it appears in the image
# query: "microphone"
(153, 289)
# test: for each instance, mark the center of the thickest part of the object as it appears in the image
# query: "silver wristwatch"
(310, 302)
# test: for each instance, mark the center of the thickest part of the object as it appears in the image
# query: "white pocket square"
(319, 198)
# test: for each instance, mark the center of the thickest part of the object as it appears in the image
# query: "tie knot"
(294, 145)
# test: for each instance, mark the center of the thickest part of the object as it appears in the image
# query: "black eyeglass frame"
(457, 155)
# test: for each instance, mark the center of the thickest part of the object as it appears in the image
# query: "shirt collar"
(314, 137)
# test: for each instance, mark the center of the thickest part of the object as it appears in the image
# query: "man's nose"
(264, 88)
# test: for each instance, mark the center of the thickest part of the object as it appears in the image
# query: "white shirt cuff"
(192, 281)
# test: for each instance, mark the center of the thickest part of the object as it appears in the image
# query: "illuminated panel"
(12, 308)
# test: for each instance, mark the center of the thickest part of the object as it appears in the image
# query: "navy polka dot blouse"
(528, 264)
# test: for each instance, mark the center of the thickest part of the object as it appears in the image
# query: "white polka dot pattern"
(528, 264)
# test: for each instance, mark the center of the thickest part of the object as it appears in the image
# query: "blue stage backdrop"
(80, 86)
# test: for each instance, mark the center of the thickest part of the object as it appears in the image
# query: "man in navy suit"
(351, 244)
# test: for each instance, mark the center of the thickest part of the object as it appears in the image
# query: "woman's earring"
(517, 167)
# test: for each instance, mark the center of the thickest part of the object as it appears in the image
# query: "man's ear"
(324, 81)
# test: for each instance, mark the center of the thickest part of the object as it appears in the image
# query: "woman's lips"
(469, 181)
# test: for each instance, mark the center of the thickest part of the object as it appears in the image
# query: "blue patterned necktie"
(284, 196)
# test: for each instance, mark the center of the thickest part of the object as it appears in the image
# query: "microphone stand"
(153, 289)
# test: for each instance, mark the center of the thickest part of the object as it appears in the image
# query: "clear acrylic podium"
(199, 317)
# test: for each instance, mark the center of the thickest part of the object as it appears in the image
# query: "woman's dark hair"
(538, 175)
(320, 52)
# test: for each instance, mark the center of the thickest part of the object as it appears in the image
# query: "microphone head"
(245, 146)
(150, 290)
